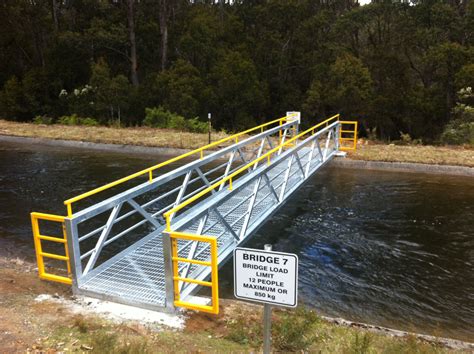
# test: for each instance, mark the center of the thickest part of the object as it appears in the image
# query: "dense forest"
(402, 69)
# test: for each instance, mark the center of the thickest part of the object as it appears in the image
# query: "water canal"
(394, 249)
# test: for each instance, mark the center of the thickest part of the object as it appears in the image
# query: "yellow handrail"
(213, 284)
(150, 170)
(229, 178)
(352, 139)
(37, 238)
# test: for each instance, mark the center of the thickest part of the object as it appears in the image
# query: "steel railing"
(149, 171)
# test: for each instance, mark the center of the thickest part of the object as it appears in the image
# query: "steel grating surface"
(138, 277)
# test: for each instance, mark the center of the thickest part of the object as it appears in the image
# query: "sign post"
(267, 319)
(267, 277)
(209, 128)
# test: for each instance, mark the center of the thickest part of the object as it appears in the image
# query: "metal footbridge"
(153, 238)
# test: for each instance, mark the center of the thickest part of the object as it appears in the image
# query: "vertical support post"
(355, 135)
(209, 128)
(74, 252)
(338, 136)
(267, 320)
(168, 265)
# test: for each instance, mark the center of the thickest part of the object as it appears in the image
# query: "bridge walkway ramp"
(153, 245)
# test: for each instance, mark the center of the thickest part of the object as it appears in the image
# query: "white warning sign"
(266, 276)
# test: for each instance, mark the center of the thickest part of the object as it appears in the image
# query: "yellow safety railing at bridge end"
(348, 135)
(40, 254)
(213, 263)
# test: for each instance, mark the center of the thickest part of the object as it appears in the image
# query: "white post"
(267, 320)
(296, 117)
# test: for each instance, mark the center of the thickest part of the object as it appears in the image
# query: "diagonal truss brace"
(102, 238)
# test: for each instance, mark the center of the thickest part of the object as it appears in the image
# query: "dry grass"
(438, 155)
(129, 136)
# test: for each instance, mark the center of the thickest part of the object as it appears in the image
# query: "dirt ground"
(23, 322)
(31, 326)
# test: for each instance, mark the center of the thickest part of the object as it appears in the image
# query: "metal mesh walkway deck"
(136, 278)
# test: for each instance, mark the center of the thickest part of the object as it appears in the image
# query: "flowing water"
(388, 248)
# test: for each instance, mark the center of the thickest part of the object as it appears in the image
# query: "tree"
(350, 86)
(238, 94)
(110, 93)
(12, 101)
(133, 42)
(182, 90)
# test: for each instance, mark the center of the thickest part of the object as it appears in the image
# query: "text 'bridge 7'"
(153, 238)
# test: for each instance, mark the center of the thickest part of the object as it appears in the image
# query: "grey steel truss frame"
(134, 273)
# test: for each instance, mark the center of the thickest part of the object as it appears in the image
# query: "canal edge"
(342, 162)
(404, 167)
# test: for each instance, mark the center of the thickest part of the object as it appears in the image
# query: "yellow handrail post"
(355, 134)
(40, 254)
(213, 263)
(69, 209)
(37, 242)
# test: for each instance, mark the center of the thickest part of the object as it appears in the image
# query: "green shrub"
(244, 332)
(75, 120)
(406, 139)
(361, 343)
(294, 330)
(459, 131)
(91, 122)
(69, 120)
(196, 126)
(43, 120)
(177, 122)
(158, 117)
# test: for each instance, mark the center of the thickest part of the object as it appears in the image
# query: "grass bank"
(50, 327)
(425, 154)
(141, 136)
(439, 155)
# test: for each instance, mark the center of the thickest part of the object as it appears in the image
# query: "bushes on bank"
(73, 119)
(158, 117)
(460, 130)
(43, 120)
(76, 120)
(155, 117)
